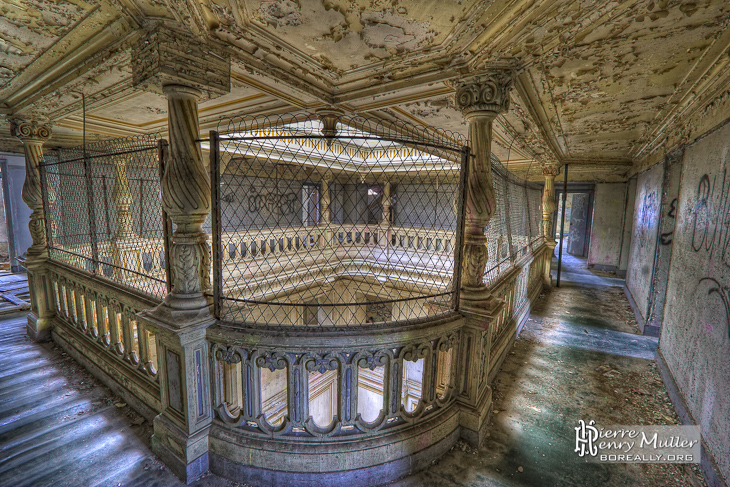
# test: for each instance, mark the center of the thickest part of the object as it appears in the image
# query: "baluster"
(348, 378)
(61, 296)
(127, 335)
(55, 289)
(142, 346)
(91, 326)
(80, 308)
(393, 389)
(298, 403)
(113, 311)
(69, 302)
(101, 322)
(251, 385)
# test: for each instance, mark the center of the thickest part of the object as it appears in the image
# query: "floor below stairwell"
(579, 356)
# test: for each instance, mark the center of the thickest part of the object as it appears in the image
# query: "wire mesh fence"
(341, 222)
(103, 211)
(515, 229)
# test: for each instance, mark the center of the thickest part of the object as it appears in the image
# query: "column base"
(177, 318)
(474, 420)
(547, 278)
(185, 455)
(478, 302)
(39, 329)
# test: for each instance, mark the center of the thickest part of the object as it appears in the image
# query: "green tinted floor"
(579, 356)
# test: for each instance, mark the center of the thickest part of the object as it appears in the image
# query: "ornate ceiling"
(608, 87)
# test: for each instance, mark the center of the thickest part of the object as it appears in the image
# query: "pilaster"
(480, 98)
(33, 134)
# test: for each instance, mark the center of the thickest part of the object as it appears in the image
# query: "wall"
(607, 229)
(623, 264)
(644, 239)
(695, 335)
(3, 231)
(665, 244)
(579, 224)
(17, 213)
(425, 205)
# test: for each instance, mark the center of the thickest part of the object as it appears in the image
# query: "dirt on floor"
(611, 389)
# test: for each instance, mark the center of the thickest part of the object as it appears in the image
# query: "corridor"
(578, 357)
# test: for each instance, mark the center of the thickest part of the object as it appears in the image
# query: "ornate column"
(122, 197)
(386, 232)
(480, 98)
(181, 430)
(549, 171)
(325, 218)
(33, 134)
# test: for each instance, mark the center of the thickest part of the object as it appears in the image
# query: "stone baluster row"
(238, 395)
(111, 324)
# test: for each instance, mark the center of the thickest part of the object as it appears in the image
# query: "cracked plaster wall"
(607, 229)
(695, 335)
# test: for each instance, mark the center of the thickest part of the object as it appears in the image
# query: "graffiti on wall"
(260, 201)
(711, 217)
(724, 295)
(710, 222)
(647, 217)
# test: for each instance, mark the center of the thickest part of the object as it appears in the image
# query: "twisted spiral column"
(33, 134)
(480, 98)
(186, 199)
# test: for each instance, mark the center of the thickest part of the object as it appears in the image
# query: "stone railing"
(97, 324)
(423, 239)
(518, 288)
(354, 398)
(135, 262)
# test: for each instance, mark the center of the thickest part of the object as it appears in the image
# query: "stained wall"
(607, 230)
(644, 237)
(695, 334)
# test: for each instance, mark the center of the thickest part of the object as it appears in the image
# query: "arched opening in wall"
(323, 397)
(412, 389)
(370, 392)
(232, 386)
(444, 377)
(274, 399)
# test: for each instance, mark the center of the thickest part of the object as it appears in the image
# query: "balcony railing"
(335, 340)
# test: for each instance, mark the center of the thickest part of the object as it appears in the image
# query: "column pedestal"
(481, 99)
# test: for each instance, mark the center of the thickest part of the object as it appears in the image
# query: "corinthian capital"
(30, 129)
(550, 170)
(488, 92)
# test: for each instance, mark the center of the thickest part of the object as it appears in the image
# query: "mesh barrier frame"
(515, 229)
(80, 191)
(308, 130)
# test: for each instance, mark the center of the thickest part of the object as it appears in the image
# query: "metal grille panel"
(515, 229)
(334, 228)
(103, 211)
